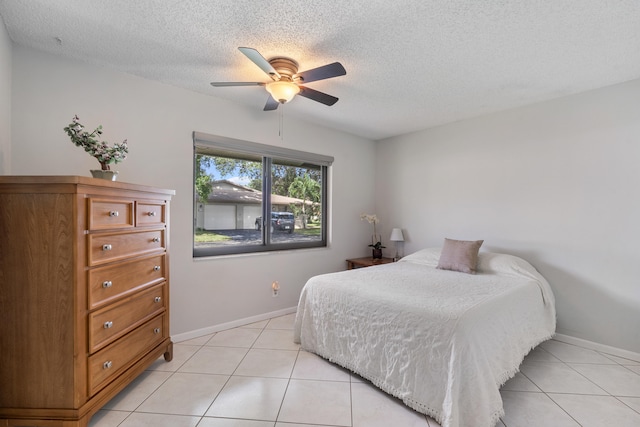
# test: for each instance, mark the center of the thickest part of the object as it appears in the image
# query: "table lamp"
(396, 236)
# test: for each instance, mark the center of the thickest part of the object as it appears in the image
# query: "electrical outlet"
(275, 287)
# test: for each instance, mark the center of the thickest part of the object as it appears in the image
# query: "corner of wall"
(6, 53)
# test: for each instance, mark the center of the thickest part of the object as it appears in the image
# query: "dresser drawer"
(113, 321)
(114, 281)
(107, 247)
(106, 364)
(150, 213)
(110, 213)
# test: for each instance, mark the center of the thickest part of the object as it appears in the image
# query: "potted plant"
(101, 150)
(376, 239)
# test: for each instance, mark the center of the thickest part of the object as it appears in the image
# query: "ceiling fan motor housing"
(286, 67)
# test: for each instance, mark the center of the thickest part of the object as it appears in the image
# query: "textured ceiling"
(411, 64)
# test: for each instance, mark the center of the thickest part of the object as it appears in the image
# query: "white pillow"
(495, 263)
(428, 257)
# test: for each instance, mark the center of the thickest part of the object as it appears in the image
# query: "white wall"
(557, 183)
(5, 99)
(158, 121)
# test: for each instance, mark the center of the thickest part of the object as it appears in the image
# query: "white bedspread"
(441, 341)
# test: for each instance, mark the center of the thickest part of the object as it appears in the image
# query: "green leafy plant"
(101, 150)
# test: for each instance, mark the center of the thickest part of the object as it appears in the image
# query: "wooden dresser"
(84, 294)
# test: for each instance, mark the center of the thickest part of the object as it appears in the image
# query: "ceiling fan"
(287, 81)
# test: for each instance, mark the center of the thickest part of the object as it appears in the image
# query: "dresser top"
(19, 183)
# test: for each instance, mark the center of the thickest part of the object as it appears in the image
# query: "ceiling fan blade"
(271, 104)
(260, 61)
(317, 96)
(325, 72)
(224, 84)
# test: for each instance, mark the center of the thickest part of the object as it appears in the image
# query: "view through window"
(252, 197)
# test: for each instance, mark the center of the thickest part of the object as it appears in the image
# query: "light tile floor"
(255, 376)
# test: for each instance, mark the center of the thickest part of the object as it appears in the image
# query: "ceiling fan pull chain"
(281, 124)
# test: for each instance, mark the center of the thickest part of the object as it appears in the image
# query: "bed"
(442, 341)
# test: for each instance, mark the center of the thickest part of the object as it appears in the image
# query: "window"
(251, 197)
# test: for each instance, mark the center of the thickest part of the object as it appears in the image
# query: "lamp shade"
(396, 235)
(282, 91)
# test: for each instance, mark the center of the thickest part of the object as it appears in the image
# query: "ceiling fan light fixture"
(282, 91)
(284, 73)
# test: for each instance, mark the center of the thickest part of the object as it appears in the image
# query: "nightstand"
(366, 262)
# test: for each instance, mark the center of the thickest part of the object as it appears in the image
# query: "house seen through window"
(251, 197)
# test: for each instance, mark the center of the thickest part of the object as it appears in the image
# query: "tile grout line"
(351, 396)
(171, 374)
(547, 394)
(286, 389)
(234, 370)
(167, 379)
(200, 347)
(562, 409)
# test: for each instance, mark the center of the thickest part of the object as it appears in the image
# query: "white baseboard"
(229, 325)
(614, 351)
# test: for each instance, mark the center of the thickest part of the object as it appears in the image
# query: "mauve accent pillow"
(460, 255)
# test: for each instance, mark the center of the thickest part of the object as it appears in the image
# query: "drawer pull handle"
(156, 331)
(108, 325)
(107, 365)
(106, 247)
(113, 213)
(157, 299)
(155, 239)
(152, 213)
(156, 268)
(107, 284)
